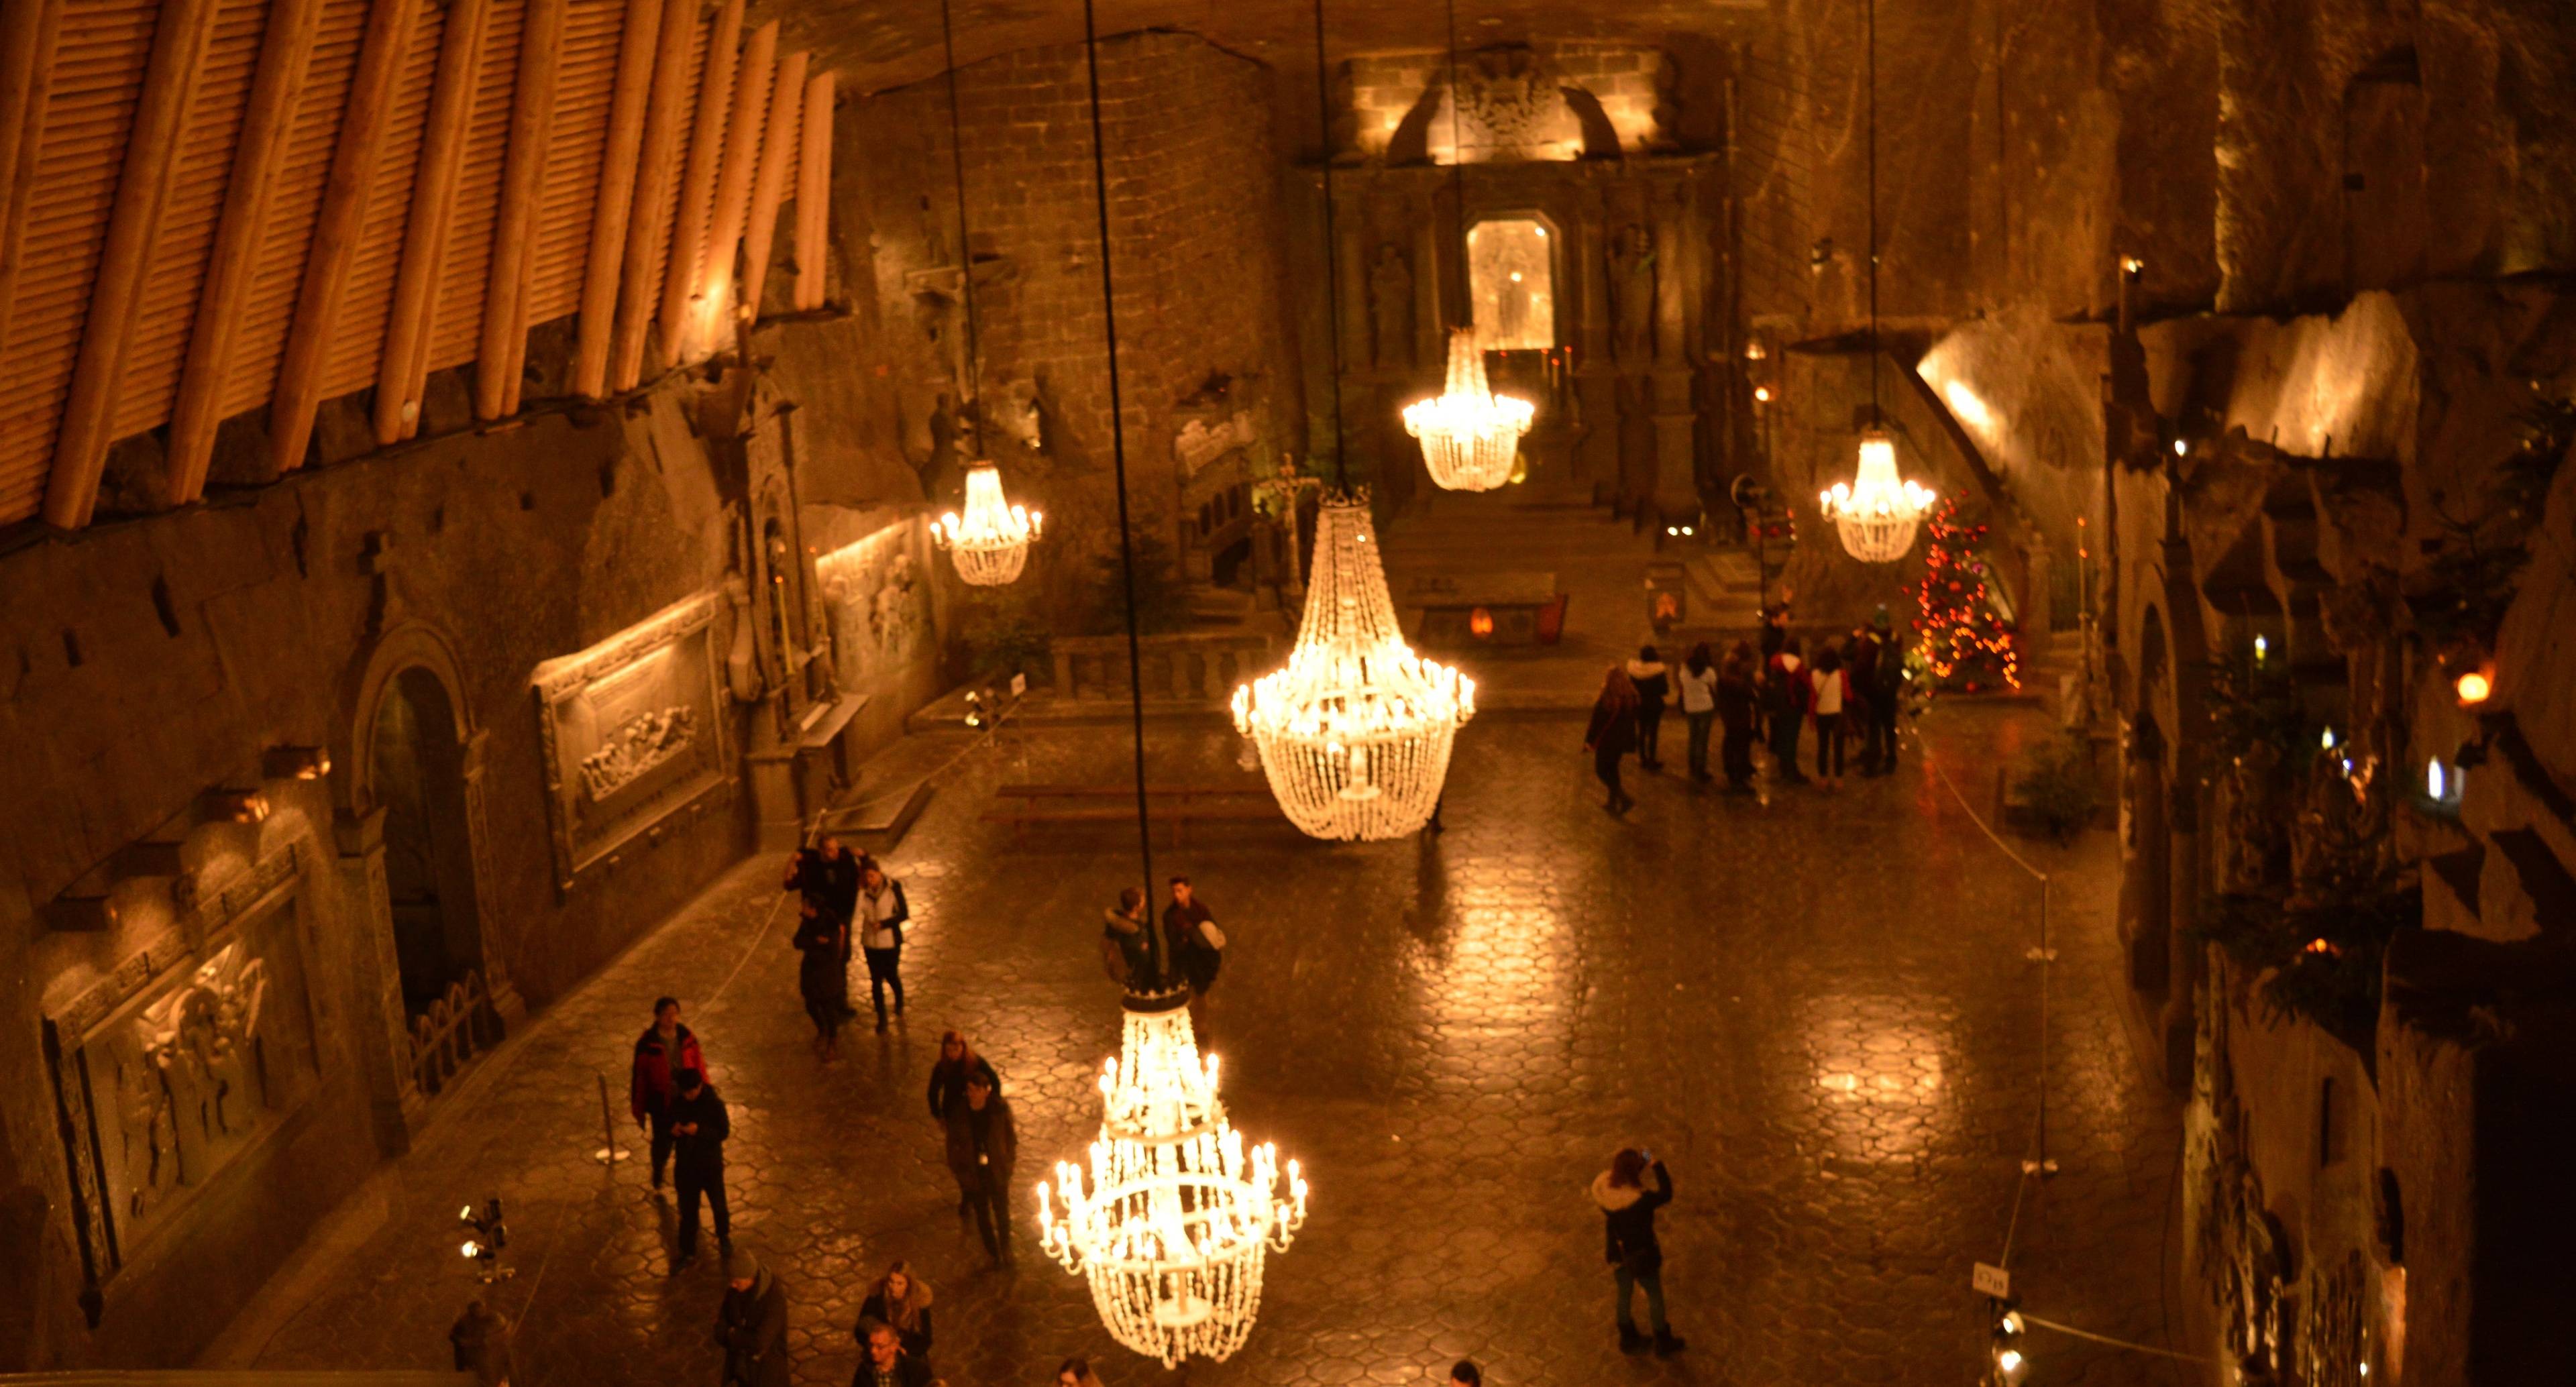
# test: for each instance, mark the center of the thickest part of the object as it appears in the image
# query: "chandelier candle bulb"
(1876, 513)
(1355, 733)
(1470, 435)
(991, 543)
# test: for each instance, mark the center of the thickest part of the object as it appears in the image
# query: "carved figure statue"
(148, 1153)
(1391, 306)
(1632, 294)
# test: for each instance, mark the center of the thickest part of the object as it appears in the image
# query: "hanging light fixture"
(1876, 513)
(990, 543)
(1470, 436)
(1175, 1218)
(1172, 1220)
(1355, 733)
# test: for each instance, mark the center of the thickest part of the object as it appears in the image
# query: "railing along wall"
(459, 1024)
(212, 206)
(1193, 668)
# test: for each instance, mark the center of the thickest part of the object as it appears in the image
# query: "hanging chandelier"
(1470, 436)
(1175, 1218)
(1876, 513)
(1355, 733)
(991, 543)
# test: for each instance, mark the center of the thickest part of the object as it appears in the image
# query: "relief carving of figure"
(1391, 306)
(1632, 294)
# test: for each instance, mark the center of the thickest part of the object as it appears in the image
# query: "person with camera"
(699, 1126)
(1636, 1258)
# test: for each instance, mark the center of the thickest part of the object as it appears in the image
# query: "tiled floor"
(1817, 1009)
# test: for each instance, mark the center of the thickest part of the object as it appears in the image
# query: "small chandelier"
(1470, 435)
(1176, 1218)
(1875, 512)
(1355, 733)
(992, 543)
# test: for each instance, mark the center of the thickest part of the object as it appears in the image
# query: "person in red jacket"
(665, 1048)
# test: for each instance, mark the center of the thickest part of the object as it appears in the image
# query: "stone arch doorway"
(417, 759)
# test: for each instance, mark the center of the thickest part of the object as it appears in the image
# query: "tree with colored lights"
(1966, 643)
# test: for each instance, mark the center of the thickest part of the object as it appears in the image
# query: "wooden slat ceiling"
(92, 85)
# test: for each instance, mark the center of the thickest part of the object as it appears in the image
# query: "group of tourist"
(841, 895)
(1849, 692)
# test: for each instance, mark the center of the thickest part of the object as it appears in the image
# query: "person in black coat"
(1636, 1258)
(1737, 704)
(699, 1126)
(902, 1300)
(822, 979)
(751, 1324)
(1194, 956)
(885, 1364)
(1613, 734)
(1654, 688)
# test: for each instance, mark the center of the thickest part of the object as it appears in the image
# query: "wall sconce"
(234, 806)
(1755, 351)
(1480, 623)
(2132, 266)
(1762, 394)
(2473, 687)
(295, 763)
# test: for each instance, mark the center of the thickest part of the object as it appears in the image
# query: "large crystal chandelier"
(1470, 435)
(991, 544)
(1175, 1219)
(1875, 512)
(1355, 732)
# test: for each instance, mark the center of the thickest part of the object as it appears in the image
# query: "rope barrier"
(2074, 1333)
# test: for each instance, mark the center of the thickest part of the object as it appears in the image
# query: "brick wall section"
(1195, 227)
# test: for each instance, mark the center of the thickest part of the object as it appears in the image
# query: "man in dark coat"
(885, 1364)
(1885, 690)
(665, 1048)
(751, 1324)
(982, 1146)
(699, 1126)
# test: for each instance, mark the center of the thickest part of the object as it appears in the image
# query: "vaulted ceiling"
(875, 44)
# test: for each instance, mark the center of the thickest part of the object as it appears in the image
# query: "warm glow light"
(1969, 406)
(2009, 1360)
(1175, 1218)
(2182, 447)
(2262, 648)
(2131, 265)
(1470, 435)
(2474, 687)
(1480, 622)
(1876, 513)
(991, 543)
(1355, 733)
(2434, 781)
(1762, 394)
(2325, 740)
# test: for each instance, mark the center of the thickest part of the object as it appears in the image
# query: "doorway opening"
(429, 858)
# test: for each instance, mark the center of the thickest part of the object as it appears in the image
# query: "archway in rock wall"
(418, 778)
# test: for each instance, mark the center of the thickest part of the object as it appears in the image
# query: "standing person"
(958, 1062)
(1784, 705)
(751, 1324)
(1737, 704)
(1860, 670)
(1828, 693)
(1125, 952)
(1190, 932)
(1654, 689)
(880, 911)
(1698, 681)
(1076, 1372)
(885, 1364)
(1637, 1259)
(665, 1048)
(841, 871)
(1613, 734)
(699, 1126)
(1464, 1373)
(822, 978)
(1885, 692)
(982, 1146)
(902, 1301)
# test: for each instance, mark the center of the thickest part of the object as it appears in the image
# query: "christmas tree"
(1966, 643)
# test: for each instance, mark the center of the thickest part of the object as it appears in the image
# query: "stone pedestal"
(1671, 491)
(384, 1046)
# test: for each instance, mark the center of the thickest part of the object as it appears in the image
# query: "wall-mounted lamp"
(2132, 266)
(234, 806)
(2474, 687)
(1762, 394)
(295, 762)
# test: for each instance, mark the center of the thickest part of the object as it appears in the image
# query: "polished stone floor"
(1817, 1008)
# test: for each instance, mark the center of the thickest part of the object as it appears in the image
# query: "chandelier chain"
(1332, 247)
(965, 238)
(1872, 61)
(1118, 463)
(1458, 175)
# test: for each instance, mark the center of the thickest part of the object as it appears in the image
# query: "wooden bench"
(1177, 805)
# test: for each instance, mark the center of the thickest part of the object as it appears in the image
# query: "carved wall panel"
(878, 594)
(634, 733)
(179, 1064)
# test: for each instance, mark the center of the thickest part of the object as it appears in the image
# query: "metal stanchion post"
(2046, 958)
(609, 1153)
